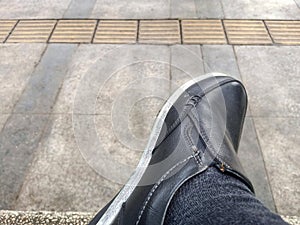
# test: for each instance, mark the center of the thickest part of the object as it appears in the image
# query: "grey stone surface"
(280, 142)
(220, 58)
(183, 9)
(138, 72)
(18, 9)
(44, 84)
(18, 141)
(125, 84)
(272, 79)
(91, 65)
(23, 132)
(80, 9)
(84, 58)
(126, 109)
(209, 9)
(253, 163)
(15, 70)
(256, 9)
(3, 118)
(298, 3)
(141, 9)
(60, 179)
(186, 64)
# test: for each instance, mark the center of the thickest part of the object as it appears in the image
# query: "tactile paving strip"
(5, 28)
(159, 32)
(203, 32)
(247, 32)
(285, 32)
(32, 31)
(116, 31)
(74, 31)
(174, 31)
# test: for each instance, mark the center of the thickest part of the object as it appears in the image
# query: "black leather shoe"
(198, 127)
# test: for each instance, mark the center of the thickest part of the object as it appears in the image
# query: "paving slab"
(147, 88)
(3, 118)
(186, 64)
(209, 9)
(44, 84)
(79, 9)
(256, 9)
(92, 66)
(17, 9)
(82, 61)
(272, 79)
(274, 99)
(142, 9)
(220, 58)
(59, 178)
(280, 142)
(143, 64)
(126, 96)
(18, 140)
(183, 9)
(15, 70)
(203, 32)
(252, 160)
(24, 129)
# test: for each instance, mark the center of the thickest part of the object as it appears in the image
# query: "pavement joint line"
(52, 31)
(95, 31)
(138, 31)
(225, 31)
(267, 28)
(156, 31)
(181, 32)
(13, 28)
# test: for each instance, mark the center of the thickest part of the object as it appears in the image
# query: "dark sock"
(217, 198)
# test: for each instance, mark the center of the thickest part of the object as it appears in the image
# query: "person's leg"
(189, 172)
(214, 197)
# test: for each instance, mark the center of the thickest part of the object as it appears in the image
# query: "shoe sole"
(113, 210)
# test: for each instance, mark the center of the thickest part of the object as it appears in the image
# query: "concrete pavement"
(156, 9)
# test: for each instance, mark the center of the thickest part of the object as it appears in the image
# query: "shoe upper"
(202, 129)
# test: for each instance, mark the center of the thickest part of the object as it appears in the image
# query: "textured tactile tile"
(159, 32)
(175, 31)
(203, 32)
(74, 31)
(247, 32)
(32, 31)
(68, 218)
(5, 28)
(116, 31)
(41, 218)
(285, 32)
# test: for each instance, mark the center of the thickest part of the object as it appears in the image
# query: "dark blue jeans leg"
(217, 198)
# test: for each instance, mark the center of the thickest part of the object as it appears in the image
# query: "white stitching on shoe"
(191, 145)
(156, 186)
